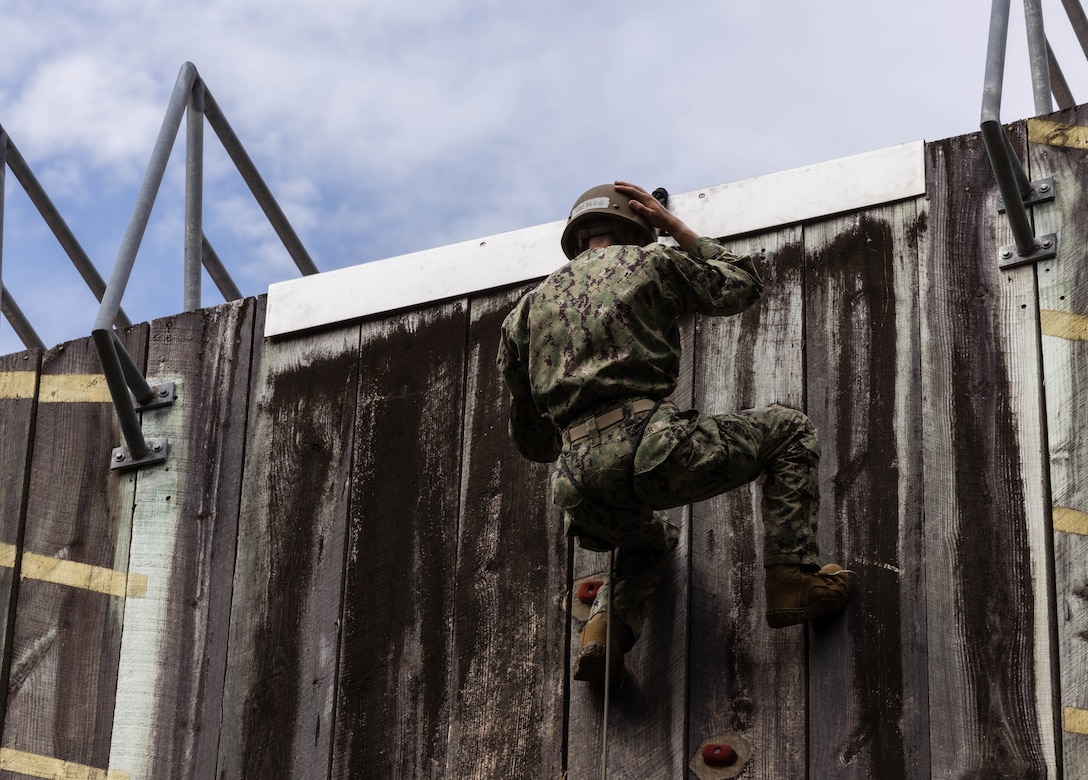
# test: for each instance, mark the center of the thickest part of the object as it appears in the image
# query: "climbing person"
(590, 357)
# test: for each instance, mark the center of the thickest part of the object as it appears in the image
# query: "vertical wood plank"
(394, 697)
(746, 678)
(1058, 149)
(868, 678)
(989, 620)
(173, 649)
(646, 729)
(509, 628)
(285, 616)
(79, 513)
(18, 397)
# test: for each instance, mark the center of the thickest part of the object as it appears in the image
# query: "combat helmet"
(595, 204)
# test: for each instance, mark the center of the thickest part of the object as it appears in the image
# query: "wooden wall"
(344, 570)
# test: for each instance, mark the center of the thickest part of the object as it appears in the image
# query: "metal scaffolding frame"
(1017, 192)
(131, 392)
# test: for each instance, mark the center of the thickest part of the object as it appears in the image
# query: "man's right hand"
(647, 206)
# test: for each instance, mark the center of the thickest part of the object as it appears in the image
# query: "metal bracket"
(1046, 247)
(157, 450)
(1041, 192)
(164, 395)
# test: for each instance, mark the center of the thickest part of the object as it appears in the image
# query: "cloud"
(384, 128)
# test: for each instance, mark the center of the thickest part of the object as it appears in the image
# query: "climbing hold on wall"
(579, 599)
(719, 755)
(587, 590)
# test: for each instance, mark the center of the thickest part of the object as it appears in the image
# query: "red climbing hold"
(719, 755)
(587, 591)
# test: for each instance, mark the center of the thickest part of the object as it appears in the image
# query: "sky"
(384, 128)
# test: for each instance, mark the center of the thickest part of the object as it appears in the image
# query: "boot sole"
(781, 618)
(591, 665)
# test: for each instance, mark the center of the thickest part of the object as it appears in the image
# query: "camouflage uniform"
(601, 333)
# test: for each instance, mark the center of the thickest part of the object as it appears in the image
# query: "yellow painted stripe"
(55, 388)
(54, 768)
(76, 575)
(1064, 325)
(74, 388)
(17, 384)
(1070, 520)
(1076, 721)
(1044, 131)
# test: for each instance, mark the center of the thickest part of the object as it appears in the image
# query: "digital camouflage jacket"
(603, 329)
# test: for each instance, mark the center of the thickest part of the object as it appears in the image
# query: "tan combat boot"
(794, 596)
(592, 662)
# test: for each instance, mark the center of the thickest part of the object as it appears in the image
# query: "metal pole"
(122, 401)
(145, 199)
(19, 323)
(1040, 72)
(993, 134)
(1058, 85)
(257, 186)
(194, 196)
(1011, 180)
(995, 61)
(1079, 21)
(227, 288)
(60, 228)
(134, 377)
(1011, 161)
(3, 176)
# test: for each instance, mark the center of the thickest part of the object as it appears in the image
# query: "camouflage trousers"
(614, 483)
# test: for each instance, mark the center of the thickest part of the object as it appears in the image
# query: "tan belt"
(608, 419)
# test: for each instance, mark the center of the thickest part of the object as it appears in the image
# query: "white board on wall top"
(765, 202)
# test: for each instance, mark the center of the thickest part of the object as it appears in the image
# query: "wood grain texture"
(394, 699)
(509, 632)
(17, 411)
(67, 639)
(744, 677)
(285, 616)
(868, 683)
(185, 526)
(1063, 296)
(989, 620)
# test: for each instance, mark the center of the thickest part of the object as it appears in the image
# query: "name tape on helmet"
(586, 205)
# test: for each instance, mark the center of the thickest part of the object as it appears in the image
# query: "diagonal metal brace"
(131, 393)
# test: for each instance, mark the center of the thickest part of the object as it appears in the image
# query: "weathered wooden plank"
(868, 685)
(284, 633)
(746, 679)
(509, 640)
(185, 525)
(988, 617)
(646, 724)
(393, 697)
(1057, 149)
(67, 636)
(18, 392)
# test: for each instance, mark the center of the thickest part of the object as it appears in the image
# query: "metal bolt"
(157, 446)
(119, 456)
(1047, 243)
(1006, 253)
(1044, 187)
(164, 391)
